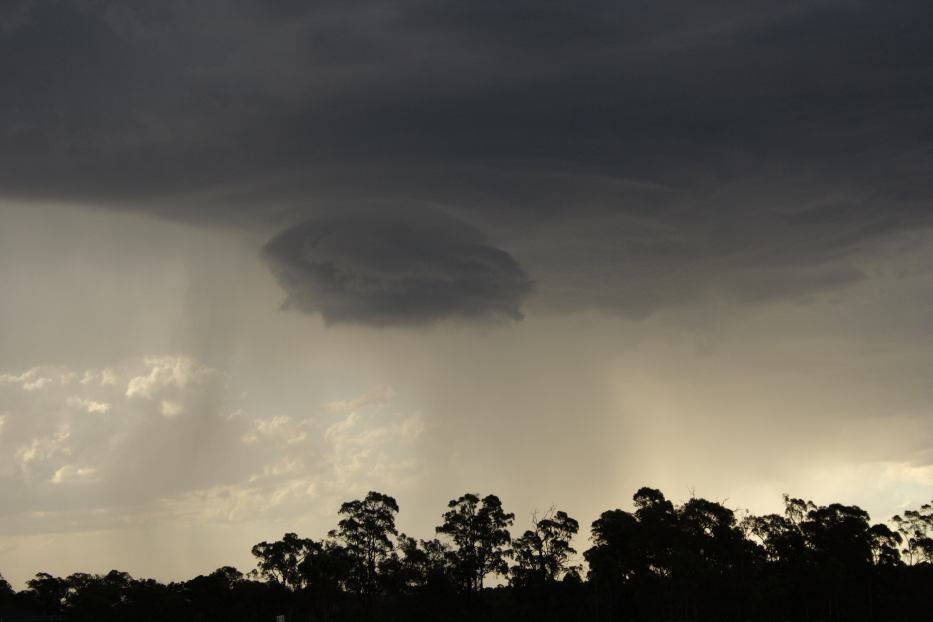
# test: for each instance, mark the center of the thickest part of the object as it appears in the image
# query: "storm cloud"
(386, 268)
(673, 139)
(713, 219)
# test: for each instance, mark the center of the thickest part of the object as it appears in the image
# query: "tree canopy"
(479, 530)
(658, 560)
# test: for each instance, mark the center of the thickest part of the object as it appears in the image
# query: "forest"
(699, 560)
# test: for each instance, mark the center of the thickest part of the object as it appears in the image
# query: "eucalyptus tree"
(884, 545)
(543, 553)
(839, 534)
(366, 531)
(479, 529)
(6, 590)
(916, 529)
(326, 567)
(279, 561)
(48, 592)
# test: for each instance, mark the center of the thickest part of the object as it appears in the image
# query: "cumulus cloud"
(38, 378)
(171, 409)
(95, 448)
(376, 397)
(71, 474)
(304, 462)
(386, 267)
(278, 428)
(242, 502)
(168, 372)
(42, 449)
(102, 377)
(90, 406)
(106, 430)
(364, 448)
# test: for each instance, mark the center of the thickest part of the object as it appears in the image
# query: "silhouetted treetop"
(278, 561)
(366, 531)
(659, 561)
(479, 530)
(542, 553)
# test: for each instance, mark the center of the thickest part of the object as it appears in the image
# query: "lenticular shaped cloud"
(378, 268)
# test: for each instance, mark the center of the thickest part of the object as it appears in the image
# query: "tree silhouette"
(543, 552)
(48, 592)
(659, 561)
(7, 593)
(365, 532)
(839, 536)
(479, 531)
(884, 545)
(616, 555)
(658, 527)
(779, 537)
(210, 595)
(96, 597)
(278, 561)
(325, 567)
(916, 529)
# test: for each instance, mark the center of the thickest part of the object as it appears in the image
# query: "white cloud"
(242, 502)
(365, 449)
(104, 377)
(279, 428)
(361, 431)
(71, 474)
(43, 449)
(168, 371)
(91, 406)
(284, 466)
(170, 408)
(225, 465)
(52, 423)
(37, 378)
(377, 397)
(411, 427)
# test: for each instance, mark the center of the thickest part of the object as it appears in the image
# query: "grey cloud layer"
(747, 147)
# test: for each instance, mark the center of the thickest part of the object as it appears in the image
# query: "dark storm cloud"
(391, 268)
(629, 154)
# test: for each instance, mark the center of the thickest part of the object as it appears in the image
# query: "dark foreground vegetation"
(695, 561)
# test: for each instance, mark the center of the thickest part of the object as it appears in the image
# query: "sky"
(259, 258)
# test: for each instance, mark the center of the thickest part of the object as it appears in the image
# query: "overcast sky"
(260, 257)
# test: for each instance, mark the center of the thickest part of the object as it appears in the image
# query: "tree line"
(699, 560)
